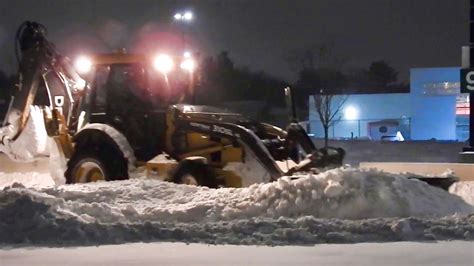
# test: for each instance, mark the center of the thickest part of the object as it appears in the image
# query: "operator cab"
(129, 94)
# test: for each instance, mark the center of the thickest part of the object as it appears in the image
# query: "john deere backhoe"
(110, 113)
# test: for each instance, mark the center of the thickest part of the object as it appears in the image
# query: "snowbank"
(314, 208)
(464, 190)
(29, 179)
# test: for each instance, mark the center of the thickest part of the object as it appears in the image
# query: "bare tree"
(315, 56)
(328, 111)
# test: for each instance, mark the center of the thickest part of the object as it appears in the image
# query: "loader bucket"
(441, 182)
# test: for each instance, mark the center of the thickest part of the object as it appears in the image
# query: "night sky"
(258, 33)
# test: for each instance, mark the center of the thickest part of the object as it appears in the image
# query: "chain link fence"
(375, 129)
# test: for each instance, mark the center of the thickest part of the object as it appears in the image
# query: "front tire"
(194, 172)
(95, 165)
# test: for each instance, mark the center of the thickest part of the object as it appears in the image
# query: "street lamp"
(186, 16)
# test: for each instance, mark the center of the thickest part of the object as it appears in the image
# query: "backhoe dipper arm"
(40, 67)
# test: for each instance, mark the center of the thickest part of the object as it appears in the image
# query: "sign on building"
(467, 80)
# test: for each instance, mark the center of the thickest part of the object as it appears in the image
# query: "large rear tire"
(95, 165)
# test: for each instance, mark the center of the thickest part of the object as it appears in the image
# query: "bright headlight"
(188, 65)
(83, 65)
(163, 63)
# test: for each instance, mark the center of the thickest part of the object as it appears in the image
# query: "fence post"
(358, 127)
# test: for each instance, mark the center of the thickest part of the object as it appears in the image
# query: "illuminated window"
(441, 88)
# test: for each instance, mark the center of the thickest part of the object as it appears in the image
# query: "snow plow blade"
(322, 158)
(441, 182)
(441, 175)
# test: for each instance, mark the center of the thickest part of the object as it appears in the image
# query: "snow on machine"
(109, 113)
(105, 115)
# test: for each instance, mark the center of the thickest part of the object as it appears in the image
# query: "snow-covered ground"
(457, 253)
(343, 205)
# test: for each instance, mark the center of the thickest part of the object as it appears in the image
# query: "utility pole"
(467, 86)
(184, 18)
(471, 64)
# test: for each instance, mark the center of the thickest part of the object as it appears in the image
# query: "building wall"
(370, 108)
(427, 112)
(433, 104)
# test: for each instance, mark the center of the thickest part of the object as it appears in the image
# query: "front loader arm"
(236, 133)
(296, 136)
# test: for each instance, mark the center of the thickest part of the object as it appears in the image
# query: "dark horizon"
(257, 34)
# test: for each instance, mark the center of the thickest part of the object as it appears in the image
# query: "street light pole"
(467, 86)
(188, 64)
(471, 64)
(183, 18)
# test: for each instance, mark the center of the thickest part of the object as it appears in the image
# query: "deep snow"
(337, 206)
(464, 190)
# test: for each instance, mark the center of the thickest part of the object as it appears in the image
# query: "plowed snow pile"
(465, 190)
(340, 205)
